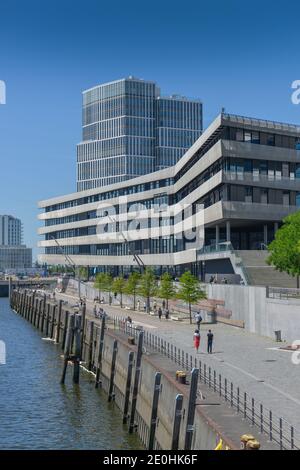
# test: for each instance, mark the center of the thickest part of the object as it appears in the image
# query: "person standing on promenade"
(198, 319)
(210, 338)
(196, 340)
(159, 312)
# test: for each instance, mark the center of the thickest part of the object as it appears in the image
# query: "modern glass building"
(129, 130)
(232, 188)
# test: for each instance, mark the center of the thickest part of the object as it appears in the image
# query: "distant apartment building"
(16, 258)
(11, 231)
(13, 254)
(129, 130)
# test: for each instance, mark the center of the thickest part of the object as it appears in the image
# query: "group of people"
(99, 312)
(197, 336)
(161, 311)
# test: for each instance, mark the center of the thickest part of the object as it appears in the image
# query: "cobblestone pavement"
(253, 363)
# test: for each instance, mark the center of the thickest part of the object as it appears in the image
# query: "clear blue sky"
(228, 53)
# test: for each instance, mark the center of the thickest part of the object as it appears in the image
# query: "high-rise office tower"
(10, 230)
(130, 130)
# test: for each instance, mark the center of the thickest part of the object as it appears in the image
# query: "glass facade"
(129, 131)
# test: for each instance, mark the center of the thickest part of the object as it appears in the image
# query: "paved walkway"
(253, 363)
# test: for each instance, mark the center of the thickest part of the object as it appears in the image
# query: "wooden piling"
(136, 381)
(191, 410)
(100, 352)
(32, 307)
(43, 313)
(154, 410)
(66, 320)
(67, 349)
(58, 321)
(111, 395)
(91, 343)
(47, 319)
(83, 323)
(177, 422)
(128, 385)
(53, 313)
(77, 353)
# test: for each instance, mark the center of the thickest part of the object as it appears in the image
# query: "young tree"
(166, 289)
(83, 273)
(148, 286)
(285, 248)
(190, 290)
(100, 283)
(119, 286)
(132, 285)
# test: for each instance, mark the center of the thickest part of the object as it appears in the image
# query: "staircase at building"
(259, 273)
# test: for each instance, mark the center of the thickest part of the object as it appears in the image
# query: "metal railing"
(283, 293)
(277, 429)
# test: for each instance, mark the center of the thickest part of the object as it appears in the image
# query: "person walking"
(95, 311)
(196, 340)
(210, 338)
(167, 313)
(159, 313)
(198, 319)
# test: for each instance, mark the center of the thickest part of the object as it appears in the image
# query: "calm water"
(36, 412)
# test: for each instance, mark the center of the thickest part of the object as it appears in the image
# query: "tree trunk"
(190, 310)
(121, 300)
(148, 304)
(134, 296)
(298, 281)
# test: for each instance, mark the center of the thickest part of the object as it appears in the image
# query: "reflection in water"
(36, 412)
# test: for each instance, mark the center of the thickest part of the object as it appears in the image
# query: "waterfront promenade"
(253, 363)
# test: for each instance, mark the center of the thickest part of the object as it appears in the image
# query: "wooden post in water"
(47, 318)
(32, 307)
(91, 340)
(67, 349)
(100, 352)
(10, 290)
(39, 318)
(53, 320)
(22, 303)
(43, 313)
(83, 323)
(153, 421)
(58, 322)
(25, 305)
(111, 395)
(128, 385)
(136, 381)
(77, 353)
(177, 421)
(191, 410)
(66, 321)
(36, 302)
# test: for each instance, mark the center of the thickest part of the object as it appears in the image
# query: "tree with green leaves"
(102, 282)
(285, 248)
(148, 286)
(83, 273)
(190, 290)
(119, 286)
(166, 289)
(132, 285)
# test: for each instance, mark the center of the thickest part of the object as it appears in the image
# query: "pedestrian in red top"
(196, 340)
